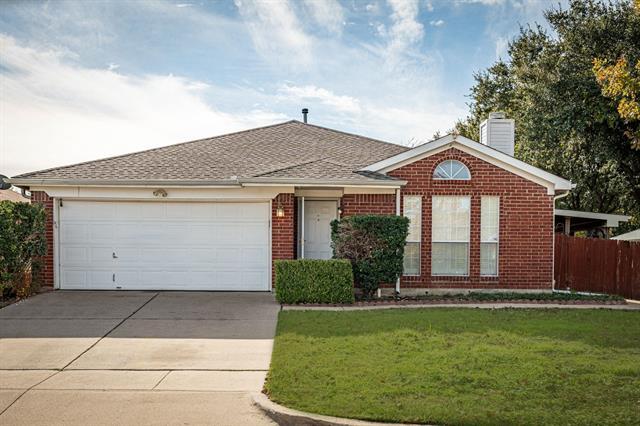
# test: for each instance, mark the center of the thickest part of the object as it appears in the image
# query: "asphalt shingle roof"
(288, 150)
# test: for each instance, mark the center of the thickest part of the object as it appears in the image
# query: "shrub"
(314, 281)
(374, 245)
(22, 230)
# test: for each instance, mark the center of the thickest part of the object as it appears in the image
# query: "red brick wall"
(39, 197)
(353, 204)
(526, 223)
(282, 229)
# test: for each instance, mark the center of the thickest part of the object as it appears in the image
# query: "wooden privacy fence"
(599, 266)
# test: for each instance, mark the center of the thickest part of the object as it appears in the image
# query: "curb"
(289, 417)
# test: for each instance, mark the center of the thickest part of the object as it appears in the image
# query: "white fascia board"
(613, 220)
(126, 183)
(488, 154)
(324, 183)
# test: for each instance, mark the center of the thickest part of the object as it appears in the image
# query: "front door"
(317, 229)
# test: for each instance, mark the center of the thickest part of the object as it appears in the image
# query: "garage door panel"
(102, 255)
(254, 234)
(104, 232)
(203, 255)
(74, 255)
(74, 233)
(163, 245)
(253, 258)
(200, 233)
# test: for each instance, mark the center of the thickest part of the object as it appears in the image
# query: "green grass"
(461, 366)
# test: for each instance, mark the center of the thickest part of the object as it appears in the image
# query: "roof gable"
(552, 182)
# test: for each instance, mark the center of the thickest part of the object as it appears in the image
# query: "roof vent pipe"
(305, 111)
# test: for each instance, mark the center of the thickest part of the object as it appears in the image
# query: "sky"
(83, 80)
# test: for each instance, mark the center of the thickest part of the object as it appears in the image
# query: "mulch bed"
(450, 301)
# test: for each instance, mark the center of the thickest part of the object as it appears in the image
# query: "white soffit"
(483, 152)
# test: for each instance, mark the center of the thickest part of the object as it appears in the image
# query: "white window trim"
(468, 242)
(419, 241)
(497, 243)
(451, 178)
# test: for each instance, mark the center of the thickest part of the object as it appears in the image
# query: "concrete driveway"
(135, 358)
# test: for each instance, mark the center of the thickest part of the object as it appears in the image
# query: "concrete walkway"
(135, 358)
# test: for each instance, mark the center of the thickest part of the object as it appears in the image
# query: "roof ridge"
(24, 175)
(351, 134)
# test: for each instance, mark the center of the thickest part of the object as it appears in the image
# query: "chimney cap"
(497, 115)
(305, 111)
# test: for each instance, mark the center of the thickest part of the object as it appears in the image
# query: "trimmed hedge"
(22, 242)
(314, 281)
(374, 244)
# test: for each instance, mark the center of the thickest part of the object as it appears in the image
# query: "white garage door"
(164, 246)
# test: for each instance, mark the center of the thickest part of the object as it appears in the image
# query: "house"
(10, 195)
(213, 214)
(629, 236)
(593, 225)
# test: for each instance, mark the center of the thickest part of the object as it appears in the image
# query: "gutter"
(130, 183)
(232, 183)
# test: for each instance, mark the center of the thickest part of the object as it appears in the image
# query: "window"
(489, 233)
(451, 170)
(450, 235)
(413, 210)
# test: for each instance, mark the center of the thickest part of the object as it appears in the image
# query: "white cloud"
(276, 32)
(436, 23)
(55, 113)
(405, 30)
(327, 13)
(339, 103)
(372, 8)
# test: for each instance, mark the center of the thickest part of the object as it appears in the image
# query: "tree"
(622, 83)
(564, 122)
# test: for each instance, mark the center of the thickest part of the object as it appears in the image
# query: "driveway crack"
(27, 390)
(110, 331)
(160, 381)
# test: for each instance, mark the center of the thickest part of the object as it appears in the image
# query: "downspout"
(553, 252)
(398, 214)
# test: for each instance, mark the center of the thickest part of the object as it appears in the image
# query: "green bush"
(22, 241)
(374, 244)
(314, 281)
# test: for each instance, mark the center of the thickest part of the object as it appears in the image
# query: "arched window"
(451, 170)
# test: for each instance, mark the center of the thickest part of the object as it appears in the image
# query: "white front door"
(164, 246)
(317, 228)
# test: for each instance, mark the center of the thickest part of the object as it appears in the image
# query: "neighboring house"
(593, 225)
(10, 195)
(214, 214)
(629, 236)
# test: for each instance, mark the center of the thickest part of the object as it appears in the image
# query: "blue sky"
(83, 80)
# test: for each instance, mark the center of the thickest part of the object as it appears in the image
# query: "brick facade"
(353, 204)
(282, 229)
(40, 197)
(526, 223)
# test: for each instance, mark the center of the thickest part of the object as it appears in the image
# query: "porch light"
(279, 210)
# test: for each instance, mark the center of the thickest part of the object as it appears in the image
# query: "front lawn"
(461, 366)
